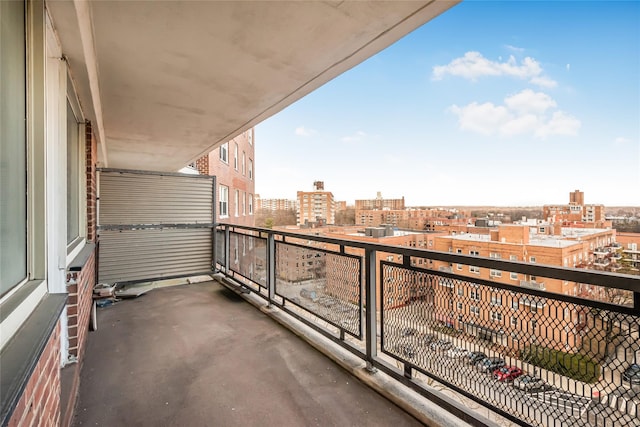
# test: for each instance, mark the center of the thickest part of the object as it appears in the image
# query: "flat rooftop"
(199, 354)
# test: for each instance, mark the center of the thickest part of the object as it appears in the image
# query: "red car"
(507, 373)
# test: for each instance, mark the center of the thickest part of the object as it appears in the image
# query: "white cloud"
(526, 112)
(514, 48)
(303, 131)
(568, 67)
(358, 136)
(481, 118)
(473, 65)
(529, 101)
(621, 140)
(560, 123)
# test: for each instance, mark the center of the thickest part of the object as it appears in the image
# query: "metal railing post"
(371, 327)
(227, 248)
(271, 268)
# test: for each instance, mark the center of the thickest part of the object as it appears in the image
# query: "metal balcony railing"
(567, 360)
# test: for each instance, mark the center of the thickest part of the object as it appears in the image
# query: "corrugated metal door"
(154, 225)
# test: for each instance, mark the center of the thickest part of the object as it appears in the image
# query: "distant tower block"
(576, 198)
(318, 185)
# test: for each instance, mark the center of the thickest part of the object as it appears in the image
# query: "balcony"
(218, 357)
(532, 285)
(199, 355)
(578, 348)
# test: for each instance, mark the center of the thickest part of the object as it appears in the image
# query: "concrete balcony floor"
(199, 355)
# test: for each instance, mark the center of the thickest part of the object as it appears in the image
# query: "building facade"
(275, 204)
(315, 207)
(576, 211)
(233, 165)
(49, 155)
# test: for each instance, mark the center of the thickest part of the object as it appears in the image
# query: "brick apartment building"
(315, 207)
(575, 212)
(275, 204)
(233, 164)
(379, 203)
(543, 243)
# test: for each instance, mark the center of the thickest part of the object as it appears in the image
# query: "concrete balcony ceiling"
(165, 82)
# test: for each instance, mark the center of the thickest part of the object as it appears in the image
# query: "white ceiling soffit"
(173, 79)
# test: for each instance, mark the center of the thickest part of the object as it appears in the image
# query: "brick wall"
(80, 287)
(39, 404)
(202, 164)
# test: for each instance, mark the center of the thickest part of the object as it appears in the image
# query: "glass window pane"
(73, 176)
(13, 146)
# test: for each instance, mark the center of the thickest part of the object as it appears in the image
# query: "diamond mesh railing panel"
(324, 283)
(248, 257)
(565, 363)
(220, 252)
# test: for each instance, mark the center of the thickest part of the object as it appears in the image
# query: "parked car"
(429, 338)
(631, 375)
(457, 352)
(475, 357)
(490, 364)
(404, 350)
(507, 373)
(441, 345)
(408, 332)
(529, 383)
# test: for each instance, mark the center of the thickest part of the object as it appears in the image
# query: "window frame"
(75, 245)
(223, 201)
(19, 301)
(224, 153)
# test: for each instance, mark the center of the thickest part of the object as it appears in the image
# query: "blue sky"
(492, 103)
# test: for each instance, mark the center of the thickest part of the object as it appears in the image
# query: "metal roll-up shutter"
(154, 225)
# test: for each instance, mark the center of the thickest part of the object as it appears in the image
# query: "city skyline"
(529, 101)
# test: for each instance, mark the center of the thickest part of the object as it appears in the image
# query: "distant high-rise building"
(380, 203)
(275, 204)
(576, 211)
(316, 207)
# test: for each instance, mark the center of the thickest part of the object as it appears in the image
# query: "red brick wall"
(202, 164)
(39, 404)
(80, 288)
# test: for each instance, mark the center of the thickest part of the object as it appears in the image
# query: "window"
(532, 259)
(224, 152)
(459, 306)
(250, 169)
(496, 299)
(513, 257)
(514, 321)
(494, 255)
(13, 149)
(460, 291)
(513, 276)
(495, 273)
(474, 269)
(236, 204)
(75, 167)
(475, 294)
(244, 164)
(235, 156)
(474, 310)
(250, 204)
(458, 266)
(244, 203)
(515, 304)
(474, 253)
(224, 201)
(496, 317)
